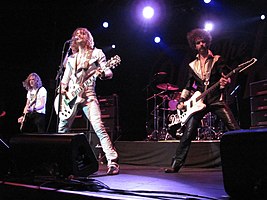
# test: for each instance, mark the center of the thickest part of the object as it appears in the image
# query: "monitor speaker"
(244, 161)
(60, 155)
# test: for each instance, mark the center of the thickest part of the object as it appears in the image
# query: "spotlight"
(157, 39)
(207, 1)
(148, 12)
(105, 24)
(262, 17)
(208, 26)
(113, 46)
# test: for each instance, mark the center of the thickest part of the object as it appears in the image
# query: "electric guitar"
(195, 103)
(22, 123)
(72, 98)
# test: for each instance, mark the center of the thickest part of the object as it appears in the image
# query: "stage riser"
(201, 154)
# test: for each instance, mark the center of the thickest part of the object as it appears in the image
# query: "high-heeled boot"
(176, 166)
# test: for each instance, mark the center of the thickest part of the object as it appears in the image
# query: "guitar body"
(68, 106)
(191, 106)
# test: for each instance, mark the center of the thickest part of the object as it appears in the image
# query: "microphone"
(72, 39)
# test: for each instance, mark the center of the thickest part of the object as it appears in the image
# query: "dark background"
(33, 34)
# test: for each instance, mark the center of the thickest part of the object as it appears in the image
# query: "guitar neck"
(240, 67)
(94, 73)
(213, 87)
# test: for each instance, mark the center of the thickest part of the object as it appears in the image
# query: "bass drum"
(174, 101)
(174, 124)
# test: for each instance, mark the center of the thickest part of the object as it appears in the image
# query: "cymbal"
(167, 86)
(160, 73)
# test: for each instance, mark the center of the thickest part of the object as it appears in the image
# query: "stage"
(141, 176)
(133, 182)
(72, 166)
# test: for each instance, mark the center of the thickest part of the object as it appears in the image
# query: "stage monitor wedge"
(59, 155)
(244, 163)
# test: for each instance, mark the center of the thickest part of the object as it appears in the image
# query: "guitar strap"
(35, 96)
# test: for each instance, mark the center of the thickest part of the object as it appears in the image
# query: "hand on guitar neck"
(224, 81)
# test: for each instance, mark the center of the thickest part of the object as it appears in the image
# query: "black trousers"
(34, 123)
(190, 131)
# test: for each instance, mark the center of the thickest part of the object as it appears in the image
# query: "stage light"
(157, 39)
(148, 12)
(262, 17)
(208, 26)
(113, 46)
(105, 24)
(207, 1)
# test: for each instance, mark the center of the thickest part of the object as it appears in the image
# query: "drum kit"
(166, 122)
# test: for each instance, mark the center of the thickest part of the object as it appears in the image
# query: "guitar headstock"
(113, 62)
(247, 64)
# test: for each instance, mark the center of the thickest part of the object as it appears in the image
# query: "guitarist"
(33, 117)
(87, 60)
(203, 72)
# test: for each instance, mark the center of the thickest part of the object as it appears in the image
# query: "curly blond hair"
(38, 82)
(89, 43)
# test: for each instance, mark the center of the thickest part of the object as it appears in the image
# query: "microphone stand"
(148, 98)
(155, 132)
(59, 78)
(235, 92)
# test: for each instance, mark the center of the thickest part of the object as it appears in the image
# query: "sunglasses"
(200, 41)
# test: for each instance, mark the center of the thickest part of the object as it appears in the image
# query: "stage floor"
(141, 176)
(133, 182)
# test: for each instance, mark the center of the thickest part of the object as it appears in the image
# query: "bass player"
(204, 71)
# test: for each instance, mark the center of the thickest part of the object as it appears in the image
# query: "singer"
(85, 61)
(204, 72)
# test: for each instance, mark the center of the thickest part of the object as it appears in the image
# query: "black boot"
(176, 165)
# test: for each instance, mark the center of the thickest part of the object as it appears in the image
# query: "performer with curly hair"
(33, 117)
(206, 70)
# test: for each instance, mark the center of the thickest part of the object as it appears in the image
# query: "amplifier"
(258, 104)
(258, 88)
(109, 114)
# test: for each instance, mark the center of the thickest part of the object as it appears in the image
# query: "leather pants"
(190, 130)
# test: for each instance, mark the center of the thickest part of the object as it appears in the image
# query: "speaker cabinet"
(244, 161)
(109, 114)
(258, 105)
(52, 155)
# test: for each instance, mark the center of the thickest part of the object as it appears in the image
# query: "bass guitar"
(24, 119)
(195, 103)
(70, 101)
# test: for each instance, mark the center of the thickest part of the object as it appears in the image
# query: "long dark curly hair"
(38, 82)
(196, 34)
